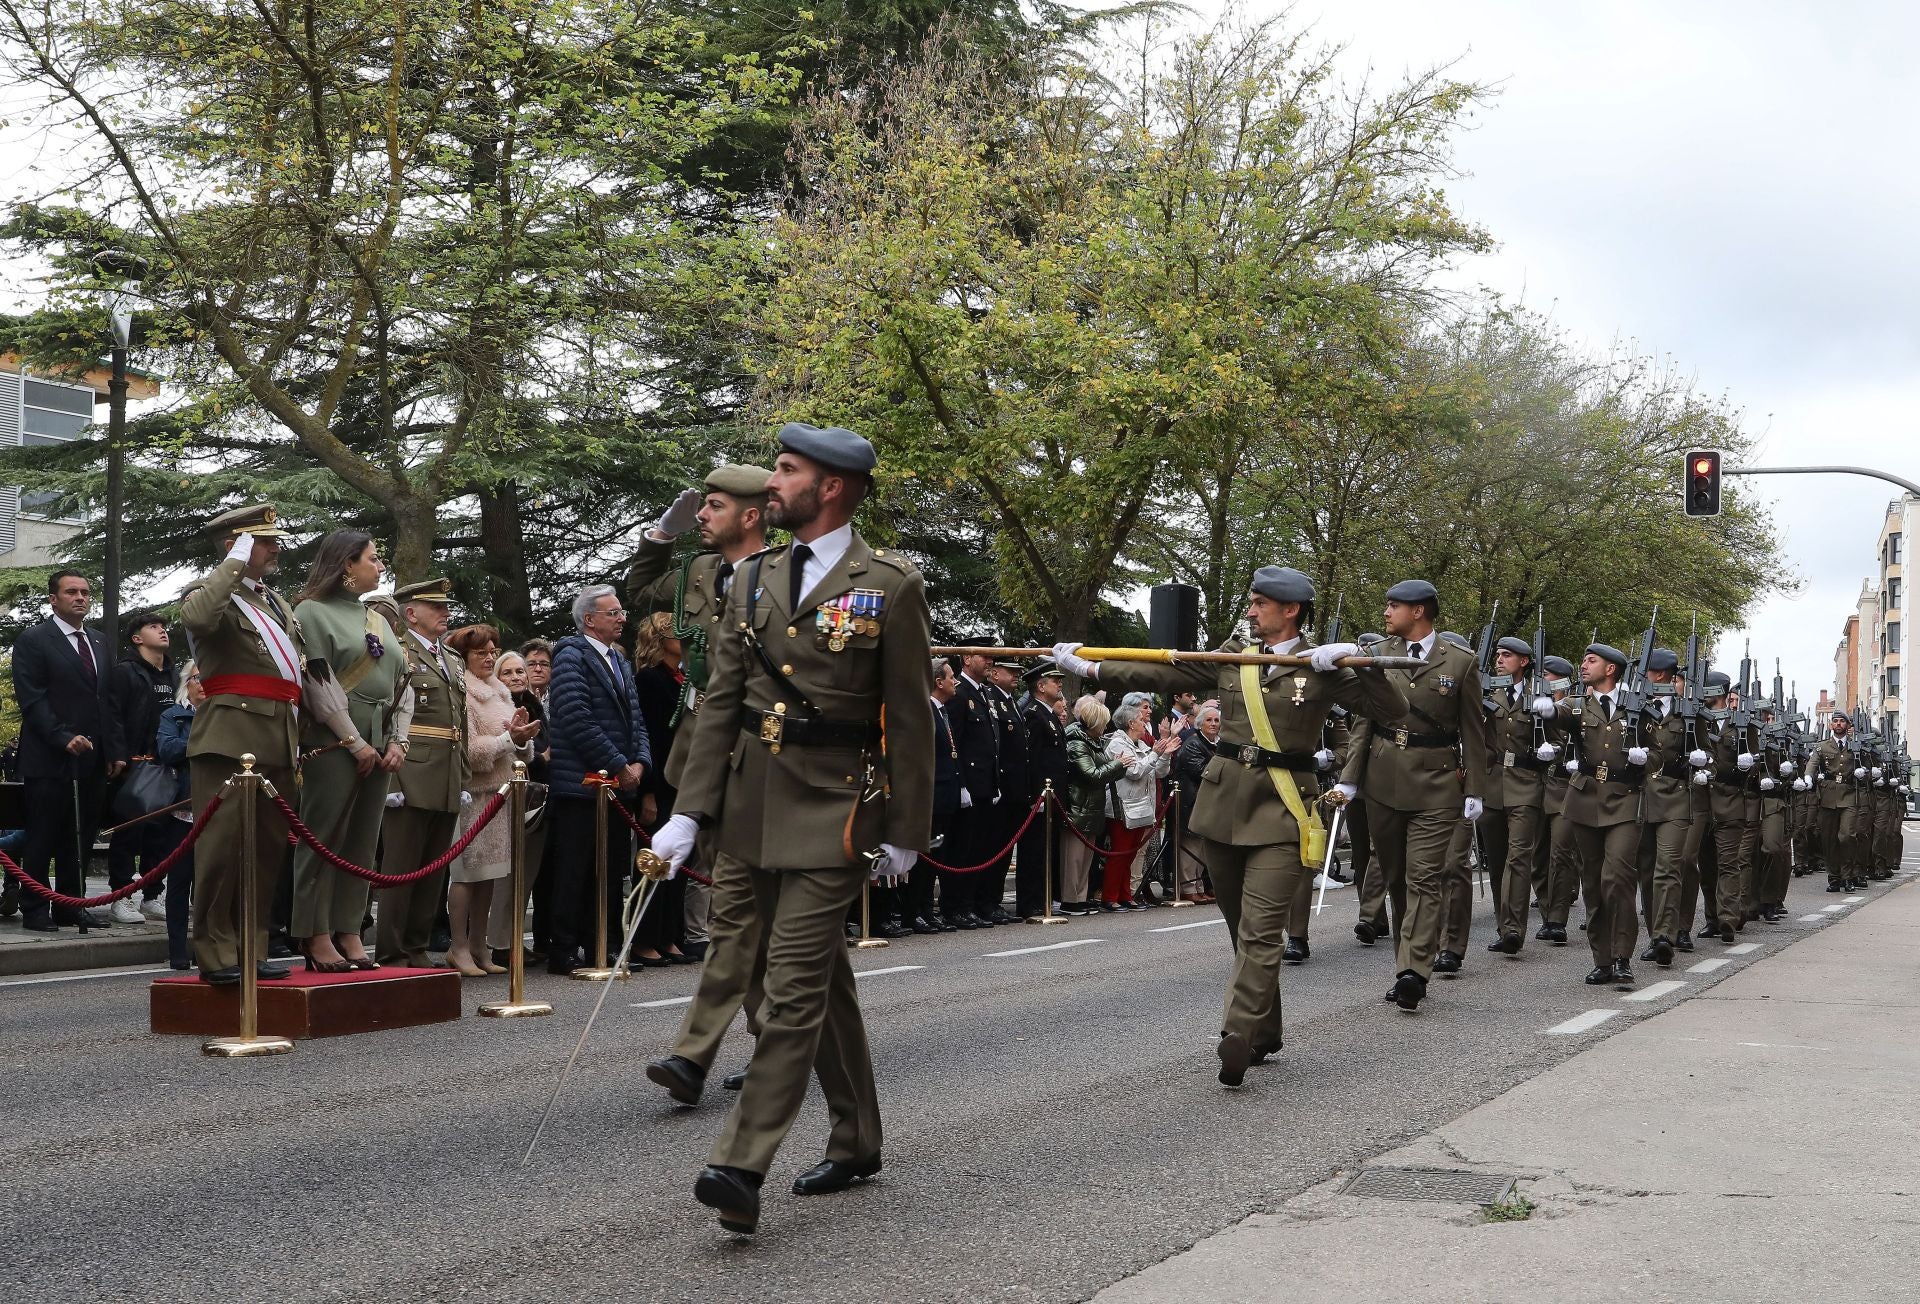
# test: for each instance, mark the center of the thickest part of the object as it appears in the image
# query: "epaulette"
(896, 559)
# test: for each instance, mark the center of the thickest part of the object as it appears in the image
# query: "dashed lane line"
(1181, 928)
(1581, 1023)
(1708, 966)
(1745, 948)
(658, 1005)
(1828, 910)
(1811, 919)
(1034, 950)
(895, 968)
(1656, 991)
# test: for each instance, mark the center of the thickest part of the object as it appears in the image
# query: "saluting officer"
(1255, 808)
(821, 678)
(421, 815)
(1835, 772)
(1605, 772)
(248, 648)
(1421, 772)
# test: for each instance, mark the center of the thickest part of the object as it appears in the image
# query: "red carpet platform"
(304, 1005)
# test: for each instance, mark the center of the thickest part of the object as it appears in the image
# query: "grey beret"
(739, 480)
(1369, 639)
(1663, 658)
(1518, 646)
(1458, 640)
(1282, 584)
(830, 446)
(1559, 667)
(1413, 591)
(1608, 652)
(1718, 679)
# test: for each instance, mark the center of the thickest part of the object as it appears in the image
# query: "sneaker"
(154, 909)
(125, 912)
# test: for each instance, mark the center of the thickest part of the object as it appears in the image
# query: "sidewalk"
(22, 952)
(1758, 1141)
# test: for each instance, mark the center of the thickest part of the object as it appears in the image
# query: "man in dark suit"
(918, 910)
(594, 720)
(1016, 793)
(70, 745)
(971, 837)
(1046, 763)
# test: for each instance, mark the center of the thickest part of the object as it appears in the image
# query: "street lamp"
(116, 267)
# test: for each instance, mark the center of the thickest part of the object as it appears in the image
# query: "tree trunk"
(510, 602)
(413, 529)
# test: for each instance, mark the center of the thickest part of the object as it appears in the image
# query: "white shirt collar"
(65, 628)
(1424, 644)
(423, 640)
(1283, 647)
(971, 680)
(605, 649)
(830, 547)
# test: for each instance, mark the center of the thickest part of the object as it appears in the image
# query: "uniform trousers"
(1729, 838)
(734, 973)
(1840, 831)
(1607, 858)
(1457, 886)
(1369, 880)
(1886, 833)
(1751, 870)
(1663, 849)
(1772, 869)
(1412, 847)
(344, 811)
(1254, 885)
(219, 861)
(809, 1023)
(1563, 873)
(1512, 898)
(410, 838)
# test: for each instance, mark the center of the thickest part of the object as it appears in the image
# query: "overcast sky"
(1733, 185)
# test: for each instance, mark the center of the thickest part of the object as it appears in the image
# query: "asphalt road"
(1052, 1119)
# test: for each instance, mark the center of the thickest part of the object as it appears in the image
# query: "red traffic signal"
(1702, 488)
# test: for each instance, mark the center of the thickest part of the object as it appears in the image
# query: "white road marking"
(1581, 1023)
(1827, 910)
(1853, 900)
(82, 977)
(898, 968)
(1656, 991)
(1811, 919)
(1032, 950)
(655, 1005)
(1745, 948)
(1181, 928)
(1777, 1045)
(1708, 966)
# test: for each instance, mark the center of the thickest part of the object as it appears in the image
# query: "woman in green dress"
(347, 756)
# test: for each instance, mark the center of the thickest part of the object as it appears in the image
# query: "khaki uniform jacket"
(1510, 749)
(1670, 786)
(435, 770)
(225, 642)
(1606, 792)
(790, 810)
(1731, 785)
(1238, 804)
(652, 582)
(1831, 766)
(1443, 696)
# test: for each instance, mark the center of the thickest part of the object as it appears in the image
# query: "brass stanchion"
(249, 1043)
(600, 970)
(517, 1005)
(867, 942)
(1173, 827)
(1046, 915)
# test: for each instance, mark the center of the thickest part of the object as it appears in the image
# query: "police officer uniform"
(976, 739)
(1015, 780)
(1046, 738)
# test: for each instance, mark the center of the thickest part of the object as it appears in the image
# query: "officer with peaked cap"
(1256, 811)
(1421, 772)
(1666, 809)
(1017, 791)
(250, 656)
(1046, 737)
(807, 765)
(1556, 879)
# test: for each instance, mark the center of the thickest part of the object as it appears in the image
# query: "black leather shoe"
(1728, 936)
(1497, 945)
(88, 918)
(1836, 887)
(40, 925)
(835, 1175)
(1662, 951)
(1684, 942)
(1002, 917)
(1365, 933)
(734, 1193)
(1545, 934)
(226, 977)
(267, 972)
(1408, 990)
(893, 929)
(734, 1081)
(1295, 951)
(1446, 962)
(1261, 1054)
(1601, 976)
(1511, 944)
(683, 1079)
(1622, 974)
(561, 968)
(1235, 1054)
(1647, 952)
(921, 926)
(1559, 935)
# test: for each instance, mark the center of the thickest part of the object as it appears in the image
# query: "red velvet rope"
(1159, 818)
(646, 841)
(994, 859)
(304, 834)
(46, 893)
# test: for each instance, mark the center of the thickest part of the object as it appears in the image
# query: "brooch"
(375, 648)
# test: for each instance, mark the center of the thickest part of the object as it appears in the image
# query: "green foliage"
(1515, 1208)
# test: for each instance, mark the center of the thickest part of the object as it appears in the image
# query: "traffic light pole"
(1902, 481)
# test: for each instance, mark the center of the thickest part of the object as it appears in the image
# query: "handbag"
(148, 786)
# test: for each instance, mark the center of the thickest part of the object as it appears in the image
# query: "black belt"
(1522, 761)
(1407, 738)
(778, 729)
(1259, 758)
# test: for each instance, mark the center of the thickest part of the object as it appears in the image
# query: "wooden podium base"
(304, 1005)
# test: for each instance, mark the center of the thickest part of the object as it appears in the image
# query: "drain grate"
(1450, 1184)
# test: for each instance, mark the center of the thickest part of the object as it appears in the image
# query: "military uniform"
(1486, 841)
(1603, 811)
(1556, 868)
(1414, 772)
(431, 780)
(1515, 736)
(1251, 839)
(789, 769)
(1667, 810)
(1770, 868)
(1831, 768)
(247, 646)
(1732, 847)
(1015, 779)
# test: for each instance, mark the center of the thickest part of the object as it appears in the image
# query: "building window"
(52, 413)
(1893, 594)
(1893, 550)
(1893, 638)
(1893, 682)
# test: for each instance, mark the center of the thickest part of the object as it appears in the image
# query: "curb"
(92, 952)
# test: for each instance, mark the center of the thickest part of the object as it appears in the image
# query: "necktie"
(801, 552)
(613, 668)
(86, 655)
(722, 578)
(1606, 708)
(1417, 651)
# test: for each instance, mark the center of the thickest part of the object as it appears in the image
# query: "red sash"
(268, 686)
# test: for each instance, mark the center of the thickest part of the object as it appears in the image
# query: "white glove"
(1800, 785)
(242, 549)
(1766, 785)
(1786, 769)
(1545, 752)
(966, 800)
(466, 799)
(1701, 778)
(1698, 759)
(1860, 772)
(1543, 707)
(1323, 759)
(1636, 756)
(1745, 761)
(1879, 783)
(1348, 790)
(395, 800)
(899, 862)
(682, 515)
(1323, 657)
(1065, 658)
(674, 842)
(1573, 766)
(1876, 771)
(1473, 809)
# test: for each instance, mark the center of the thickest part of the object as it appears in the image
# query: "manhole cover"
(1450, 1184)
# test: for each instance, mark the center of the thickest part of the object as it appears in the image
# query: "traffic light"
(1702, 475)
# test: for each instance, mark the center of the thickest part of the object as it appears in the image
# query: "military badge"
(856, 612)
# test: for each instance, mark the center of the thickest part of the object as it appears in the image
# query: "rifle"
(1690, 686)
(1484, 653)
(1633, 698)
(1537, 685)
(1333, 626)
